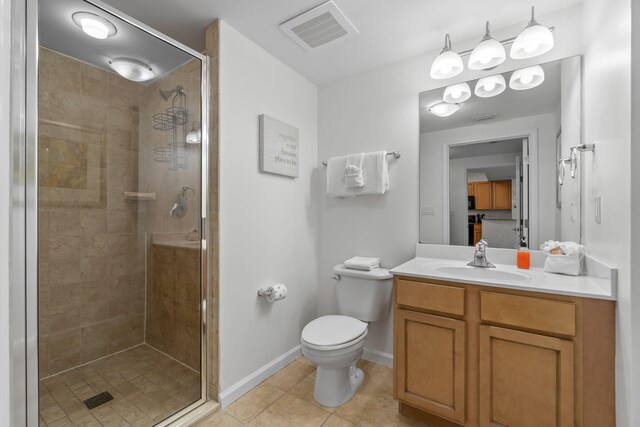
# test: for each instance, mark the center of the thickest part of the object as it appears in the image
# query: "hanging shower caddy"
(174, 119)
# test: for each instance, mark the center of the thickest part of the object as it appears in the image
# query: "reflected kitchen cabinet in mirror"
(491, 166)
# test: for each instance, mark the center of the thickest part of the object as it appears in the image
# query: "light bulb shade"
(448, 64)
(443, 109)
(488, 54)
(487, 87)
(194, 137)
(132, 69)
(457, 93)
(533, 41)
(527, 78)
(94, 25)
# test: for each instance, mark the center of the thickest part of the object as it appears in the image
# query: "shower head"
(166, 93)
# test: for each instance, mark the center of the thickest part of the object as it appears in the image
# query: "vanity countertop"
(449, 263)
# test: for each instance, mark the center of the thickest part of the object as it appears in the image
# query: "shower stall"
(121, 215)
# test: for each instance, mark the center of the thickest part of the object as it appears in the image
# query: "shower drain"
(98, 399)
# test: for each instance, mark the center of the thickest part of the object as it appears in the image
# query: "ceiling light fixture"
(132, 69)
(194, 136)
(526, 78)
(490, 86)
(447, 64)
(443, 109)
(94, 25)
(533, 41)
(457, 93)
(488, 54)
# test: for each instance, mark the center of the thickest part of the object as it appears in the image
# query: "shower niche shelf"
(132, 195)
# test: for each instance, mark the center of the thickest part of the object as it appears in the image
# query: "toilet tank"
(365, 295)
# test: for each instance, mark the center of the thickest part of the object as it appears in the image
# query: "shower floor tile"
(147, 386)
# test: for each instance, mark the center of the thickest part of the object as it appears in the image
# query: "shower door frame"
(25, 383)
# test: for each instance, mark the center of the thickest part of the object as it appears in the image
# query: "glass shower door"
(120, 245)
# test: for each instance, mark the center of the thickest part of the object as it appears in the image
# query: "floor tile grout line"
(90, 362)
(172, 358)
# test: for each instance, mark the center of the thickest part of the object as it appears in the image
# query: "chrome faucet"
(479, 256)
(174, 208)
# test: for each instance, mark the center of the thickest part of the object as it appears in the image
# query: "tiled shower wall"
(173, 313)
(96, 142)
(91, 245)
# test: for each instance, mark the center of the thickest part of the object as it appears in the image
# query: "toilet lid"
(333, 330)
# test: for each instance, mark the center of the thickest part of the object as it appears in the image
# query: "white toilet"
(334, 343)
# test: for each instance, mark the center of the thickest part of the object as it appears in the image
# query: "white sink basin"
(482, 273)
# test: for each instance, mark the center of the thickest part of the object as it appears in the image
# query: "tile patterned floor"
(147, 387)
(286, 399)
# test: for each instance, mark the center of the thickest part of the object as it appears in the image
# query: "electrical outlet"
(428, 210)
(598, 209)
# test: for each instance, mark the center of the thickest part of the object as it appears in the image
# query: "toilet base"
(336, 386)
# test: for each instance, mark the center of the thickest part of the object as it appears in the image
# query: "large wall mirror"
(495, 158)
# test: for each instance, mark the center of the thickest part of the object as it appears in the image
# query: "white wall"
(607, 120)
(379, 110)
(5, 181)
(570, 114)
(268, 223)
(431, 170)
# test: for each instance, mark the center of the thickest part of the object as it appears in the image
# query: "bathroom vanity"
(503, 347)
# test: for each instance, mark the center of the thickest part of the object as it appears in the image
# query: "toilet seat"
(333, 332)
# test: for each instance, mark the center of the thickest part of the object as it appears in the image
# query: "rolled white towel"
(353, 176)
(353, 171)
(573, 248)
(362, 263)
(335, 178)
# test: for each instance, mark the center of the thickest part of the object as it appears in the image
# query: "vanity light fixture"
(94, 25)
(448, 63)
(490, 86)
(533, 41)
(194, 136)
(132, 69)
(526, 78)
(488, 54)
(457, 93)
(443, 109)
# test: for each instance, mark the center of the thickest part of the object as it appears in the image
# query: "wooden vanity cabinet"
(478, 356)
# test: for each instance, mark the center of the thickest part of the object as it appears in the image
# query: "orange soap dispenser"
(523, 259)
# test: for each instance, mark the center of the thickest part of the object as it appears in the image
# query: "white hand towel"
(353, 171)
(335, 178)
(362, 263)
(375, 171)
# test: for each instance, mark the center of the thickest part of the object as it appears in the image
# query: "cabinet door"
(429, 363)
(477, 233)
(470, 189)
(483, 195)
(501, 194)
(526, 380)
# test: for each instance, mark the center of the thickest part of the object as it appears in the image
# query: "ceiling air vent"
(320, 26)
(483, 118)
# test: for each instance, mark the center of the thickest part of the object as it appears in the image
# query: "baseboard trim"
(195, 416)
(379, 357)
(233, 393)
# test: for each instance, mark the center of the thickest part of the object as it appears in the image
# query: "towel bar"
(395, 154)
